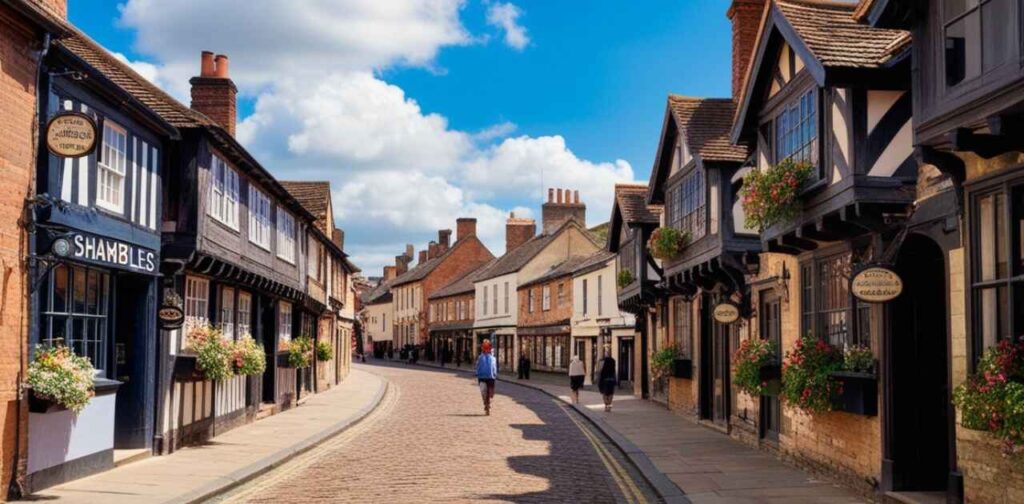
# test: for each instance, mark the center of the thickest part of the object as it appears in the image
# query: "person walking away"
(486, 374)
(576, 374)
(607, 380)
(521, 367)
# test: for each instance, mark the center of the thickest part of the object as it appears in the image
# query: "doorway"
(721, 397)
(627, 352)
(919, 417)
(134, 348)
(267, 319)
(770, 315)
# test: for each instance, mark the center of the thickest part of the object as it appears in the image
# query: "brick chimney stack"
(338, 237)
(559, 210)
(389, 273)
(213, 92)
(402, 261)
(746, 20)
(432, 250)
(464, 228)
(423, 257)
(58, 8)
(444, 239)
(518, 230)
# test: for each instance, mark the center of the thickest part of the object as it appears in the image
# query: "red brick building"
(545, 313)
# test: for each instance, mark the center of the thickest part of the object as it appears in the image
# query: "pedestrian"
(521, 365)
(486, 374)
(576, 374)
(607, 381)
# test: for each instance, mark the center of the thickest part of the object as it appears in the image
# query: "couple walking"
(606, 381)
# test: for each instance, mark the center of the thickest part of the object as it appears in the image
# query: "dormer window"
(796, 129)
(110, 172)
(979, 35)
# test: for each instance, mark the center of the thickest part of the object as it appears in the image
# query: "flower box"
(185, 369)
(282, 359)
(38, 404)
(682, 368)
(856, 393)
(771, 376)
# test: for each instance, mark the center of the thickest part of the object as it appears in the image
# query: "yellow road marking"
(619, 474)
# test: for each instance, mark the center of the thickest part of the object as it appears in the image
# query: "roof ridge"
(829, 4)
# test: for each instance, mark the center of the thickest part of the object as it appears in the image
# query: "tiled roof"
(632, 202)
(707, 123)
(314, 196)
(379, 294)
(595, 261)
(518, 257)
(118, 72)
(464, 284)
(564, 268)
(836, 39)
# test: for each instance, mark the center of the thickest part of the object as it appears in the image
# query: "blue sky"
(585, 93)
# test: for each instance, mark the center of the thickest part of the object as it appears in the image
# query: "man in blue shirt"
(486, 374)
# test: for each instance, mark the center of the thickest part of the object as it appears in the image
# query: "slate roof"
(379, 294)
(595, 261)
(315, 196)
(707, 123)
(833, 35)
(464, 284)
(632, 202)
(518, 257)
(564, 268)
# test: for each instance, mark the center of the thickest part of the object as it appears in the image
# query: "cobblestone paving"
(429, 442)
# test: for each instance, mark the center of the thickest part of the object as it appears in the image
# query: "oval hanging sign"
(171, 317)
(71, 134)
(726, 313)
(876, 284)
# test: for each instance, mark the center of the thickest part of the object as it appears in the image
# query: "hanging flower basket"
(624, 278)
(211, 352)
(299, 355)
(756, 363)
(666, 243)
(248, 357)
(770, 196)
(662, 361)
(324, 351)
(807, 381)
(59, 379)
(992, 399)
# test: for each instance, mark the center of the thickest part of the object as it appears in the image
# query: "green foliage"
(248, 357)
(859, 358)
(807, 381)
(213, 353)
(625, 278)
(770, 196)
(992, 398)
(749, 358)
(667, 242)
(57, 374)
(661, 361)
(324, 351)
(300, 352)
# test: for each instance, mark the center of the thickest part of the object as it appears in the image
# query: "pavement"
(196, 473)
(687, 462)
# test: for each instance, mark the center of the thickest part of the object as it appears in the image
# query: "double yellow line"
(622, 478)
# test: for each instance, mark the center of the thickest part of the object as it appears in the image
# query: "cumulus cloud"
(322, 112)
(505, 16)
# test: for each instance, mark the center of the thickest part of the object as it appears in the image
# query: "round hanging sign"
(171, 317)
(71, 134)
(726, 313)
(876, 284)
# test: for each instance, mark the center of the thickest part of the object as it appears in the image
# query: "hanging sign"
(726, 313)
(71, 134)
(170, 317)
(876, 284)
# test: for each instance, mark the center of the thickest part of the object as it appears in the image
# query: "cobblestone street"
(429, 442)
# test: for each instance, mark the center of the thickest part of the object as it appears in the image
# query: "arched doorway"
(919, 421)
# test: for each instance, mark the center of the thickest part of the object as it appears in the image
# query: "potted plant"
(662, 362)
(807, 381)
(666, 243)
(770, 196)
(300, 353)
(248, 357)
(857, 384)
(755, 365)
(58, 379)
(992, 398)
(624, 278)
(324, 351)
(206, 355)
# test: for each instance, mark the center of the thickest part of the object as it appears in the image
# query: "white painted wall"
(61, 436)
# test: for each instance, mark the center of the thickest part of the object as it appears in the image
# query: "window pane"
(58, 331)
(1017, 228)
(92, 293)
(998, 21)
(963, 48)
(992, 260)
(993, 323)
(78, 305)
(60, 289)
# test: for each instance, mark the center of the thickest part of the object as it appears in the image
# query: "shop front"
(547, 347)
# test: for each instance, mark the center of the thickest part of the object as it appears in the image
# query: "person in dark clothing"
(521, 367)
(607, 380)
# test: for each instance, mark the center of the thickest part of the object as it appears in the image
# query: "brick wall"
(465, 257)
(559, 311)
(746, 19)
(448, 304)
(18, 54)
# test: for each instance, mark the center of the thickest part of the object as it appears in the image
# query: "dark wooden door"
(721, 396)
(626, 355)
(771, 329)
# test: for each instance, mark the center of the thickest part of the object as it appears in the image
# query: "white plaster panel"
(61, 436)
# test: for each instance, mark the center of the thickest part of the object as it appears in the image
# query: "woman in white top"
(576, 374)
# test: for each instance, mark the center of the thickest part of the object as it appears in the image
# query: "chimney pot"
(576, 196)
(207, 68)
(213, 93)
(558, 197)
(221, 63)
(551, 195)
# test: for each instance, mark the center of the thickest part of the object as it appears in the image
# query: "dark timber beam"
(778, 247)
(984, 145)
(946, 162)
(792, 240)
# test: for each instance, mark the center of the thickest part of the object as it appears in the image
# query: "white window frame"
(284, 321)
(600, 295)
(285, 236)
(244, 313)
(259, 218)
(112, 168)
(314, 258)
(545, 298)
(506, 298)
(227, 312)
(197, 299)
(223, 205)
(485, 300)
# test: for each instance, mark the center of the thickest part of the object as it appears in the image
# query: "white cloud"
(398, 172)
(506, 17)
(146, 69)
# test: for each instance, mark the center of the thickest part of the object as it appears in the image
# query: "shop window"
(828, 310)
(285, 235)
(75, 312)
(224, 193)
(796, 130)
(259, 218)
(284, 321)
(979, 35)
(111, 168)
(997, 287)
(197, 299)
(682, 326)
(685, 201)
(227, 312)
(244, 314)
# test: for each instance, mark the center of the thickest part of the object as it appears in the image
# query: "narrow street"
(430, 442)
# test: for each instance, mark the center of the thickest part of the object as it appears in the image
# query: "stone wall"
(989, 475)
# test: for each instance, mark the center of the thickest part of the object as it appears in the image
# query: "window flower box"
(856, 393)
(755, 367)
(682, 368)
(38, 404)
(770, 196)
(186, 369)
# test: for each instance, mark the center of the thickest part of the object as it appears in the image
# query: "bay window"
(75, 312)
(978, 36)
(284, 322)
(685, 201)
(244, 314)
(197, 299)
(796, 130)
(223, 204)
(682, 326)
(111, 168)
